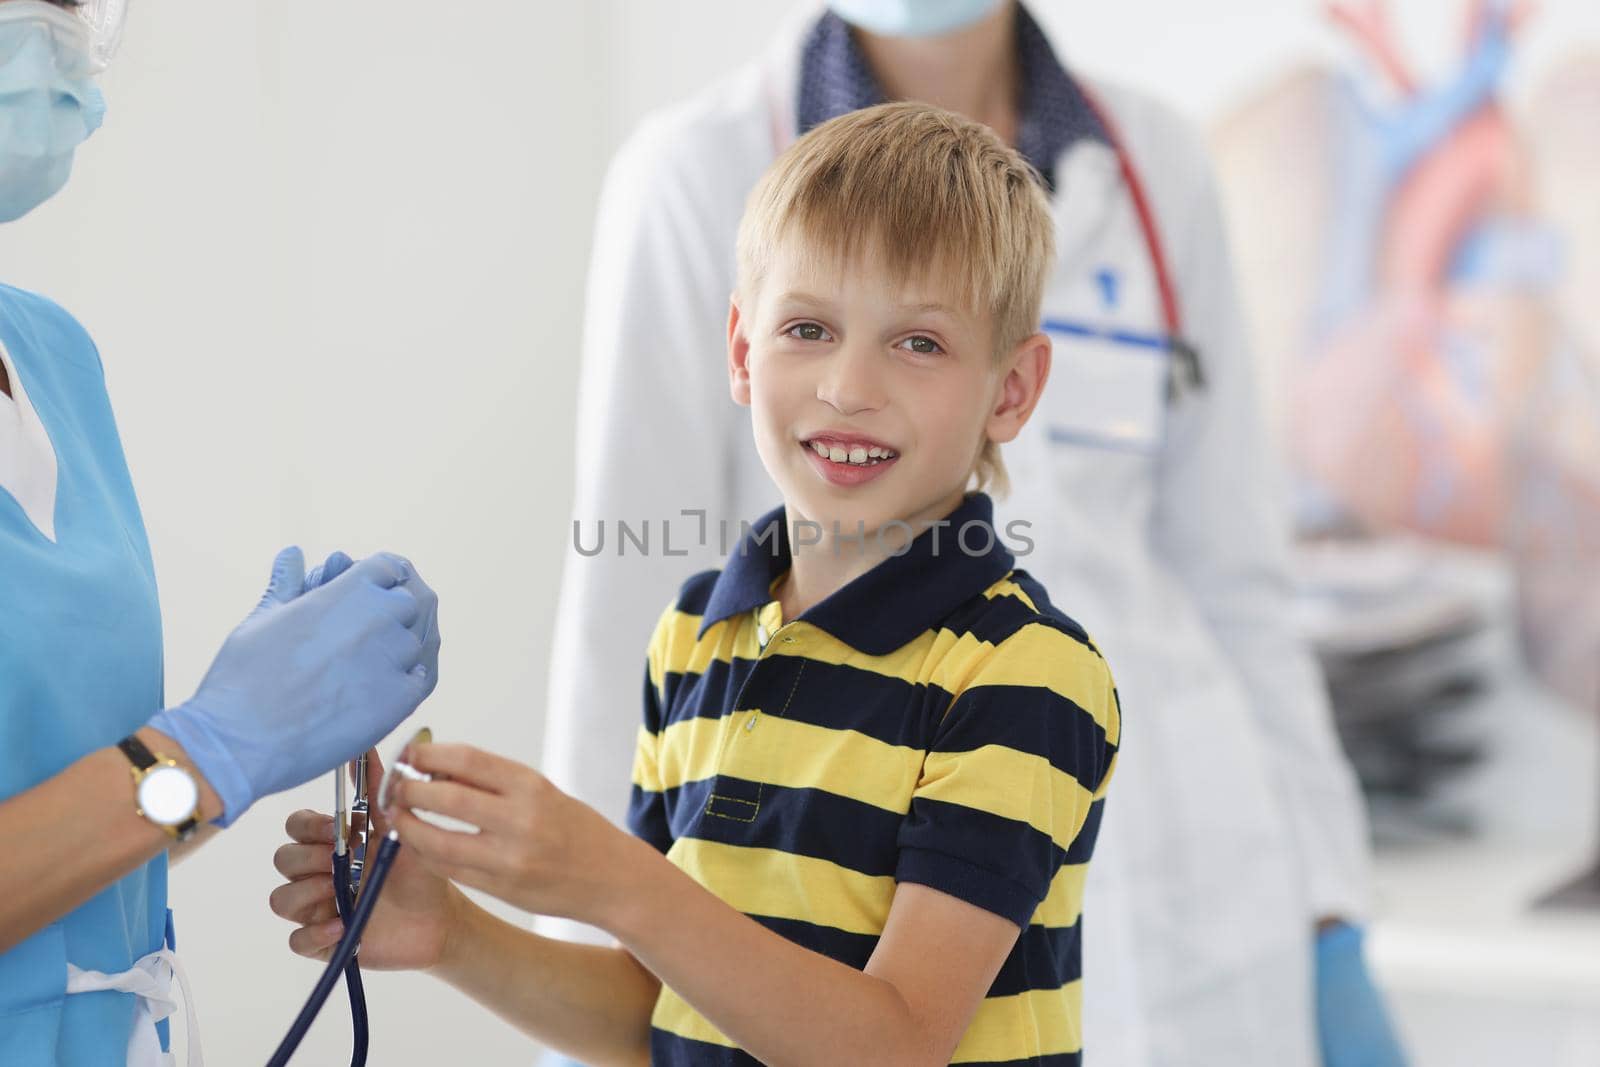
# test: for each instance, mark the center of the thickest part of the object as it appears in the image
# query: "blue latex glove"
(312, 678)
(426, 626)
(325, 572)
(1352, 1021)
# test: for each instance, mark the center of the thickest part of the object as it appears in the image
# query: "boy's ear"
(1025, 375)
(738, 355)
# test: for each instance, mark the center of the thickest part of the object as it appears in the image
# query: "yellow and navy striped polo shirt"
(934, 721)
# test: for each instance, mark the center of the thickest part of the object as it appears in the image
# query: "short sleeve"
(1013, 782)
(647, 803)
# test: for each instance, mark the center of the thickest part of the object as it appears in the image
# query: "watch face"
(168, 796)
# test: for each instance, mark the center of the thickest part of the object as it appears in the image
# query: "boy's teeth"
(859, 455)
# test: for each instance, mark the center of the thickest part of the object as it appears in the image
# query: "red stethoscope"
(1185, 357)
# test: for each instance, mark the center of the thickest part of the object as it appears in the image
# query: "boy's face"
(871, 399)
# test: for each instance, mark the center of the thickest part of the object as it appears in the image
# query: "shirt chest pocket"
(1107, 389)
(1104, 314)
(805, 767)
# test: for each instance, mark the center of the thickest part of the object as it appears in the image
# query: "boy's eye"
(923, 346)
(808, 331)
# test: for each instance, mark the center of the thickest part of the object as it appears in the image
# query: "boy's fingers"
(310, 827)
(300, 861)
(307, 901)
(443, 850)
(316, 941)
(467, 764)
(453, 799)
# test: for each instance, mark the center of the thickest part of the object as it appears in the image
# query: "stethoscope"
(354, 900)
(1185, 366)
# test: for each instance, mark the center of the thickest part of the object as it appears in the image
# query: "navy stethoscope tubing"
(343, 956)
(357, 885)
(351, 838)
(343, 896)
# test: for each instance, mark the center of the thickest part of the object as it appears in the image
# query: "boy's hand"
(409, 929)
(536, 848)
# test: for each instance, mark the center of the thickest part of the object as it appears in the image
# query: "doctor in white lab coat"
(1235, 828)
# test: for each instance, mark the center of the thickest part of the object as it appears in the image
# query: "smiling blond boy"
(868, 732)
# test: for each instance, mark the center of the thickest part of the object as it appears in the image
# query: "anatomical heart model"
(1421, 268)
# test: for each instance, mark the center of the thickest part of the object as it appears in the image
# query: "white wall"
(332, 254)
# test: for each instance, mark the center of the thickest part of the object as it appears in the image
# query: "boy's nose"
(851, 380)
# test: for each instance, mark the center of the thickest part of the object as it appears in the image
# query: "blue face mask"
(48, 106)
(912, 18)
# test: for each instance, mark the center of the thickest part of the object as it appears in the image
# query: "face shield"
(104, 18)
(93, 26)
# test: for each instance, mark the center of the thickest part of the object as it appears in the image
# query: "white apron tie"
(149, 979)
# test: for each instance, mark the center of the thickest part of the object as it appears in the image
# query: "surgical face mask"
(912, 18)
(48, 104)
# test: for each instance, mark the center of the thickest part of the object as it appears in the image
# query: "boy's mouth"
(852, 451)
(846, 461)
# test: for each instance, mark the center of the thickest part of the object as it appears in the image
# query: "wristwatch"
(168, 795)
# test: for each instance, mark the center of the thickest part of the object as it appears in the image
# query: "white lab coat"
(1233, 821)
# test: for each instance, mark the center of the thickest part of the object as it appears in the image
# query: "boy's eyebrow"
(796, 296)
(800, 297)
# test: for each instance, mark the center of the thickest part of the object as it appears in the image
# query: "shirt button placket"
(763, 642)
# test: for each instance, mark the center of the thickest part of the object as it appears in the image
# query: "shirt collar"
(889, 605)
(835, 79)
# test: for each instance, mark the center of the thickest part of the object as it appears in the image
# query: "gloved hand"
(323, 573)
(426, 626)
(1352, 1021)
(311, 679)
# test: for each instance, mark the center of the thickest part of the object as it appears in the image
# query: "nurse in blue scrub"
(100, 779)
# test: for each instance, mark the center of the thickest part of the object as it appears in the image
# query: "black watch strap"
(138, 754)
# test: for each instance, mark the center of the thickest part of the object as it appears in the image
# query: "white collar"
(27, 459)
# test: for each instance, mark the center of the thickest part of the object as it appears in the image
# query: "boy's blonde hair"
(923, 189)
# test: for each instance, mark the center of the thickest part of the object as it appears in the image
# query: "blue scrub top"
(80, 668)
